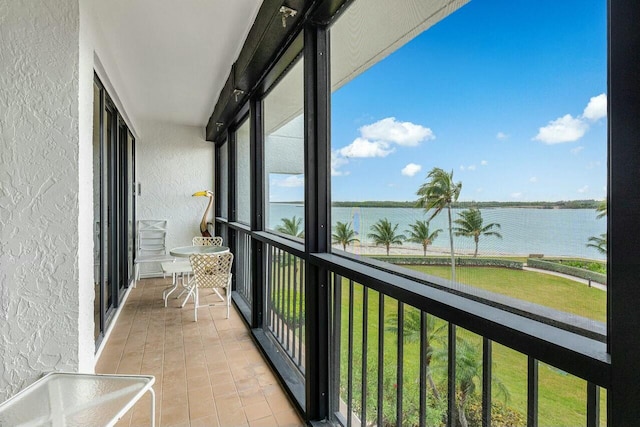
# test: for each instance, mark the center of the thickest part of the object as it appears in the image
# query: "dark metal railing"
(284, 305)
(394, 364)
(404, 353)
(242, 261)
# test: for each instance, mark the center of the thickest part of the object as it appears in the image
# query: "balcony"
(208, 373)
(322, 319)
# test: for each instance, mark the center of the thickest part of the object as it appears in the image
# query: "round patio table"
(184, 267)
(187, 251)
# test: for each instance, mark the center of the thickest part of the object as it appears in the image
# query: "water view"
(551, 232)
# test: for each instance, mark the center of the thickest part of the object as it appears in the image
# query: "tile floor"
(208, 373)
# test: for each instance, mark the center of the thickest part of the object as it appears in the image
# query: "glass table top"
(71, 399)
(186, 251)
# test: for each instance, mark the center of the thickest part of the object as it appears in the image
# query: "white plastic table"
(175, 268)
(187, 251)
(61, 399)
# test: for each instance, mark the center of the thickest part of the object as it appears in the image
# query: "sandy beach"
(415, 250)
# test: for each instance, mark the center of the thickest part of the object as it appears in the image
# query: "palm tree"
(344, 235)
(468, 374)
(470, 224)
(291, 226)
(438, 193)
(420, 233)
(412, 334)
(602, 209)
(383, 233)
(598, 243)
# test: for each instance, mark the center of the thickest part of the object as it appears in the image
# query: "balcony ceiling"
(173, 57)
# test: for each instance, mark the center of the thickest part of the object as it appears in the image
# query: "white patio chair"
(150, 244)
(207, 241)
(182, 268)
(211, 271)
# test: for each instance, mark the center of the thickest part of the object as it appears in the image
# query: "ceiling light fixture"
(287, 12)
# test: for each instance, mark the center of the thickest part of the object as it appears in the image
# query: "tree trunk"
(424, 249)
(453, 260)
(462, 416)
(475, 254)
(432, 384)
(388, 250)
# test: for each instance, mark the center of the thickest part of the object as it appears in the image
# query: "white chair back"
(207, 241)
(211, 271)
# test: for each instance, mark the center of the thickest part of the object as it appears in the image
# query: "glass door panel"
(130, 197)
(108, 207)
(114, 214)
(97, 196)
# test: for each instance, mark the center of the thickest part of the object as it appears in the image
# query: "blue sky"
(510, 95)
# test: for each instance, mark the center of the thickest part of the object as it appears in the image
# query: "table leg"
(189, 293)
(153, 407)
(173, 287)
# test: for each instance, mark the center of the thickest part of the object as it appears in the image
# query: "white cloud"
(533, 179)
(596, 108)
(361, 147)
(516, 195)
(502, 135)
(411, 169)
(462, 167)
(583, 189)
(479, 190)
(563, 129)
(377, 140)
(336, 163)
(471, 167)
(577, 150)
(484, 163)
(568, 128)
(290, 181)
(391, 131)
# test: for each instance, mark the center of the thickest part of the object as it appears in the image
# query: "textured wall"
(86, 342)
(173, 162)
(39, 111)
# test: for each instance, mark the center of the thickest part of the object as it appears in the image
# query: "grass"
(562, 397)
(540, 288)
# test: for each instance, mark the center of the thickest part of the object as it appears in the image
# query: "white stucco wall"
(86, 343)
(39, 192)
(173, 162)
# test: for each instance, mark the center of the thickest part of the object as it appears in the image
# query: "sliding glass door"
(113, 190)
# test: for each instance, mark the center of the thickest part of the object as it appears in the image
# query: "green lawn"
(544, 289)
(562, 397)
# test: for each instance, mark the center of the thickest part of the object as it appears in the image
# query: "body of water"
(552, 232)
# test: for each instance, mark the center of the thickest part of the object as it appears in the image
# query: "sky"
(509, 95)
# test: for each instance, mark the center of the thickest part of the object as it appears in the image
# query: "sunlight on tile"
(208, 373)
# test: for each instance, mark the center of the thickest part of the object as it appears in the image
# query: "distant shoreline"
(411, 249)
(563, 204)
